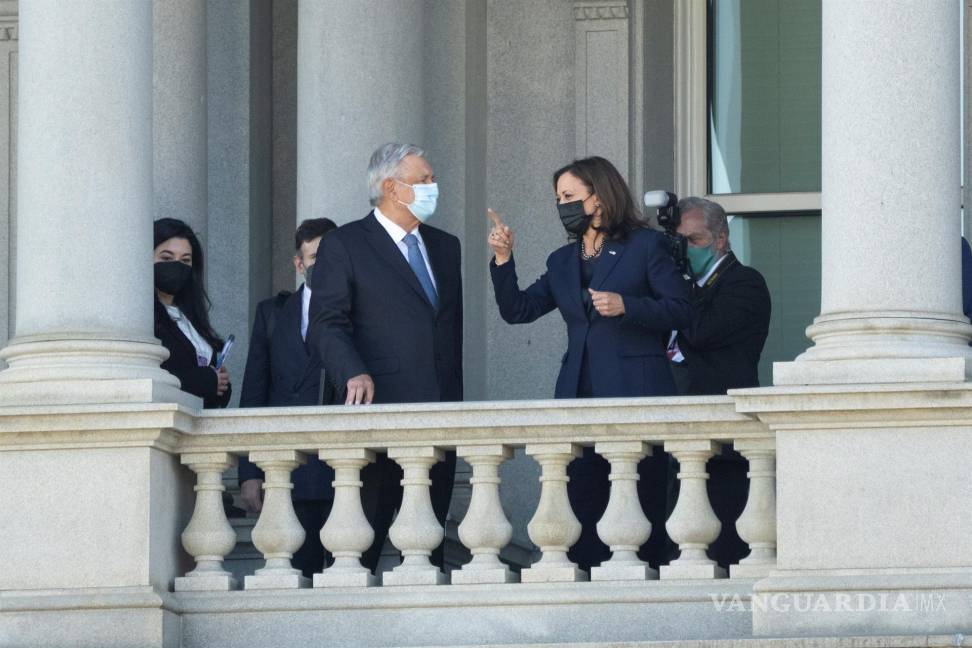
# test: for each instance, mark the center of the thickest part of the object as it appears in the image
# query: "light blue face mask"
(426, 196)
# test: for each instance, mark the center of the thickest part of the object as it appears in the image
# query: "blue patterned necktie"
(418, 267)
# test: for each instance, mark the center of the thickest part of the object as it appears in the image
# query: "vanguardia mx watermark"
(920, 602)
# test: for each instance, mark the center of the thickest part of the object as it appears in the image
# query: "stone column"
(872, 492)
(84, 330)
(179, 112)
(352, 96)
(891, 306)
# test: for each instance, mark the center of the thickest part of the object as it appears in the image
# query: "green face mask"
(700, 258)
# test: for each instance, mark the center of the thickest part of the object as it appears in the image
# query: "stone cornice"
(885, 406)
(93, 426)
(592, 10)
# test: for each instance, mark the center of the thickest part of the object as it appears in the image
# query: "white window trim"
(692, 123)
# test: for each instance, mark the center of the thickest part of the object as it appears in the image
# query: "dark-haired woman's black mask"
(573, 217)
(172, 276)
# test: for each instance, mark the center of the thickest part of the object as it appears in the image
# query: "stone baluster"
(624, 526)
(693, 524)
(485, 529)
(347, 534)
(757, 524)
(208, 537)
(416, 531)
(277, 534)
(554, 527)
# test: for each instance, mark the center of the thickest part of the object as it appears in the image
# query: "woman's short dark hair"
(619, 216)
(310, 229)
(192, 300)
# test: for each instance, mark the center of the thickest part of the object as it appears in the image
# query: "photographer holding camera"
(720, 349)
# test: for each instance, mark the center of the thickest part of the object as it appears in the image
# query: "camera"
(666, 204)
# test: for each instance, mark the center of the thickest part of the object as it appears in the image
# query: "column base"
(609, 572)
(276, 581)
(86, 368)
(872, 371)
(345, 579)
(691, 571)
(840, 602)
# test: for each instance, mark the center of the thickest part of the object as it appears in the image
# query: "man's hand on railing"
(361, 390)
(251, 491)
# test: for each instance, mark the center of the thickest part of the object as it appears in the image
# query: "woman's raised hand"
(500, 238)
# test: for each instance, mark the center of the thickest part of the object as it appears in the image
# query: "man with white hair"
(387, 305)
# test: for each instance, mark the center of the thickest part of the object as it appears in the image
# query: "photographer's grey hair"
(384, 164)
(713, 213)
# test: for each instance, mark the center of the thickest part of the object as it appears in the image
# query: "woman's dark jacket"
(626, 354)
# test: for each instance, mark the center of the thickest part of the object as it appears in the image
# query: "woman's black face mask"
(573, 217)
(172, 276)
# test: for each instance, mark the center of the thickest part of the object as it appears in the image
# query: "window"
(747, 111)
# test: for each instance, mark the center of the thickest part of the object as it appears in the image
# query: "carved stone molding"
(8, 32)
(612, 10)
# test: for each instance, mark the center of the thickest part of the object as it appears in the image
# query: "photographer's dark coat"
(730, 322)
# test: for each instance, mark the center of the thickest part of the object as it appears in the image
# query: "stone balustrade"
(485, 435)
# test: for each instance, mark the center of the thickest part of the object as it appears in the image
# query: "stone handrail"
(483, 433)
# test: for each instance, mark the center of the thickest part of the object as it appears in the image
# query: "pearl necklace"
(593, 255)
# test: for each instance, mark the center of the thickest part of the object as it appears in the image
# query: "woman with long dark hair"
(182, 314)
(618, 290)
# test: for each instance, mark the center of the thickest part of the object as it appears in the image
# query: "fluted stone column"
(179, 115)
(84, 330)
(353, 95)
(891, 306)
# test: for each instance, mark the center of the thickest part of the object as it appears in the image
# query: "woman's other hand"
(222, 381)
(500, 238)
(608, 304)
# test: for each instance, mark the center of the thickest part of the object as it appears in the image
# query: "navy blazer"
(372, 316)
(284, 371)
(626, 353)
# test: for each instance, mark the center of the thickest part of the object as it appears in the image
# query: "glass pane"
(786, 250)
(764, 96)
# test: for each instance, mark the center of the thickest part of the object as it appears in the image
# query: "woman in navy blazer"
(619, 293)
